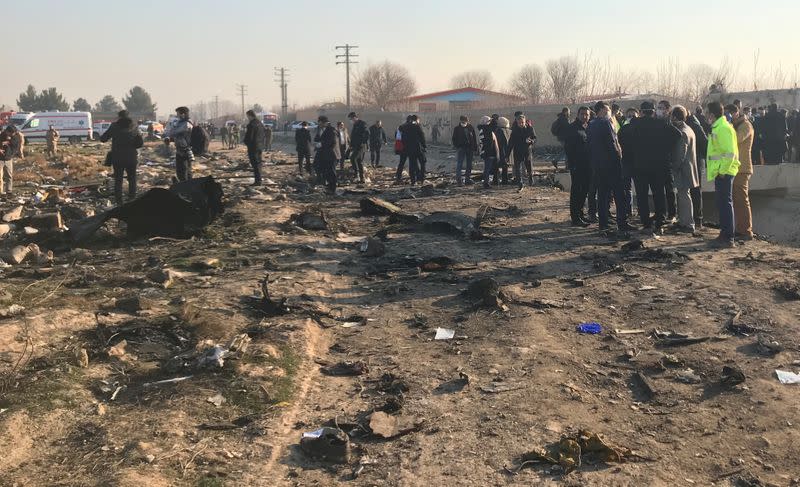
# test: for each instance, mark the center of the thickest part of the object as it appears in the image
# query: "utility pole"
(347, 62)
(242, 89)
(216, 107)
(283, 75)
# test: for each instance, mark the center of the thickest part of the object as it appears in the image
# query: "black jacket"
(560, 127)
(465, 138)
(377, 136)
(577, 147)
(125, 139)
(503, 136)
(360, 134)
(521, 141)
(254, 136)
(774, 129)
(700, 136)
(302, 139)
(487, 136)
(329, 152)
(652, 140)
(413, 139)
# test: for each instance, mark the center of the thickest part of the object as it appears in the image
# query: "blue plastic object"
(590, 328)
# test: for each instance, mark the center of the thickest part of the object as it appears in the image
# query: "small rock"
(101, 409)
(82, 357)
(13, 214)
(216, 400)
(117, 350)
(373, 247)
(133, 304)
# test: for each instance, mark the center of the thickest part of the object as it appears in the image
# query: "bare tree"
(381, 84)
(565, 81)
(697, 83)
(480, 79)
(530, 83)
(668, 78)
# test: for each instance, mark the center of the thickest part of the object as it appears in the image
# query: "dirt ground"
(517, 375)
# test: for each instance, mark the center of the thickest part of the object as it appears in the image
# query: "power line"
(283, 74)
(242, 89)
(347, 62)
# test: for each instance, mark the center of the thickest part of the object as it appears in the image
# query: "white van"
(18, 119)
(99, 128)
(72, 126)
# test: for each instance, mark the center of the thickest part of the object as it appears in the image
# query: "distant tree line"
(137, 101)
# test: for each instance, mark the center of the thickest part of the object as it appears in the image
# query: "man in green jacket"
(722, 165)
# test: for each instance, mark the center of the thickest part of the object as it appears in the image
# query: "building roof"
(461, 94)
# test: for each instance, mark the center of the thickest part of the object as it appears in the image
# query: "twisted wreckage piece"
(175, 212)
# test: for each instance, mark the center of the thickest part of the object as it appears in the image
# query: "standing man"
(489, 149)
(684, 169)
(328, 146)
(664, 112)
(415, 147)
(627, 145)
(223, 134)
(466, 144)
(743, 215)
(125, 142)
(234, 136)
(606, 158)
(652, 141)
(179, 131)
(377, 139)
(579, 163)
(721, 167)
(267, 137)
(559, 130)
(344, 143)
(503, 133)
(522, 138)
(9, 149)
(52, 141)
(435, 132)
(359, 142)
(303, 143)
(775, 134)
(400, 150)
(255, 140)
(701, 146)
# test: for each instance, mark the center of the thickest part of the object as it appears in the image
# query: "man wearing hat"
(652, 141)
(328, 152)
(179, 131)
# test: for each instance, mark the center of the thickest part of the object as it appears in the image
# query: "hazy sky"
(186, 51)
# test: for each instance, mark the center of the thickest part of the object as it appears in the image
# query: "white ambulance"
(72, 126)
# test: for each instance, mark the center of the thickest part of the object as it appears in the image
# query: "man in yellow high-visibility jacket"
(722, 165)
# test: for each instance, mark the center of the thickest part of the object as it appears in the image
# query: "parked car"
(296, 125)
(99, 128)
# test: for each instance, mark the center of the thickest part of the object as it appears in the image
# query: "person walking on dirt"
(328, 146)
(267, 137)
(52, 137)
(344, 143)
(684, 169)
(399, 149)
(522, 139)
(223, 135)
(743, 215)
(377, 139)
(721, 167)
(7, 153)
(559, 130)
(664, 112)
(503, 133)
(254, 140)
(303, 143)
(466, 144)
(414, 146)
(576, 146)
(234, 136)
(606, 157)
(179, 131)
(489, 149)
(124, 155)
(359, 142)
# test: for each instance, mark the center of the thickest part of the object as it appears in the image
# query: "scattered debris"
(590, 328)
(386, 426)
(621, 331)
(451, 222)
(787, 377)
(688, 376)
(789, 291)
(372, 247)
(313, 219)
(633, 245)
(646, 384)
(217, 400)
(495, 387)
(444, 334)
(348, 368)
(453, 385)
(328, 444)
(133, 304)
(732, 375)
(734, 327)
(13, 214)
(435, 264)
(166, 381)
(372, 206)
(486, 292)
(673, 339)
(767, 345)
(267, 304)
(12, 311)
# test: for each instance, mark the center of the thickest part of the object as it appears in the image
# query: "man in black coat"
(653, 140)
(359, 141)
(775, 132)
(606, 158)
(465, 142)
(576, 146)
(377, 139)
(414, 147)
(125, 140)
(303, 143)
(521, 142)
(254, 140)
(328, 152)
(701, 143)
